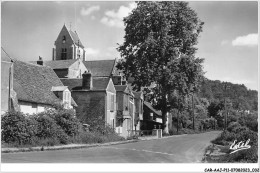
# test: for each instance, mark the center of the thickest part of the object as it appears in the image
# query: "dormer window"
(66, 99)
(63, 39)
(78, 53)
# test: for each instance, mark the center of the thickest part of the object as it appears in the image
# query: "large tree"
(159, 48)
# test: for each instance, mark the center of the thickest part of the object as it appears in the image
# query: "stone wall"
(90, 105)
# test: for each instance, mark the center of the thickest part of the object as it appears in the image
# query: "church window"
(63, 53)
(63, 39)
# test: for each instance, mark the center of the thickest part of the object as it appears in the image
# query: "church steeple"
(68, 45)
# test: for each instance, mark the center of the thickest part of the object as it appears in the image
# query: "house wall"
(111, 112)
(32, 108)
(60, 45)
(148, 122)
(90, 105)
(61, 73)
(79, 52)
(119, 100)
(5, 66)
(126, 124)
(76, 70)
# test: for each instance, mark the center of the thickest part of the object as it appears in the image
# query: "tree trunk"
(178, 116)
(193, 116)
(164, 116)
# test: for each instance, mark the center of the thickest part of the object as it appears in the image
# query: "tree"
(156, 33)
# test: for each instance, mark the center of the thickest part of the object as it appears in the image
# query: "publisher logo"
(239, 146)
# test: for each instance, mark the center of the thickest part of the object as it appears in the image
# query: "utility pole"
(193, 114)
(225, 106)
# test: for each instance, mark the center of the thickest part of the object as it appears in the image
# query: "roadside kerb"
(62, 147)
(77, 146)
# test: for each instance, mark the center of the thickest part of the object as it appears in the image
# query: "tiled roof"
(99, 83)
(33, 83)
(58, 64)
(75, 38)
(120, 87)
(100, 68)
(71, 83)
(149, 105)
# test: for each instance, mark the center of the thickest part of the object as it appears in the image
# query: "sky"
(228, 43)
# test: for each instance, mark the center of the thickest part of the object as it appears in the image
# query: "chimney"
(117, 80)
(87, 80)
(40, 62)
(123, 82)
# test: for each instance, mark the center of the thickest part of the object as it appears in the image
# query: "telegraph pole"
(193, 114)
(225, 106)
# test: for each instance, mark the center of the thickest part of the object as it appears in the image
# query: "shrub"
(16, 127)
(69, 123)
(224, 138)
(249, 121)
(47, 128)
(245, 156)
(232, 126)
(52, 127)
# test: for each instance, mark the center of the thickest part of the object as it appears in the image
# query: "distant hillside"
(241, 97)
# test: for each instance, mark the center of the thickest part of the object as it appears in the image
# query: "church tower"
(68, 46)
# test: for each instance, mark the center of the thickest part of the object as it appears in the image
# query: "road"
(176, 149)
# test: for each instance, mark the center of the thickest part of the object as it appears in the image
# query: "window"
(64, 39)
(112, 101)
(78, 54)
(63, 53)
(67, 99)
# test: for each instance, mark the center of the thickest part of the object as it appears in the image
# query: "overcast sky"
(228, 43)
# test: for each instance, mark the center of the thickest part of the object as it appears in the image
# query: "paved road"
(176, 149)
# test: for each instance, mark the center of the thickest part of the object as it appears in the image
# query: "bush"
(239, 133)
(95, 137)
(249, 121)
(224, 138)
(18, 128)
(52, 127)
(245, 156)
(232, 126)
(47, 128)
(69, 123)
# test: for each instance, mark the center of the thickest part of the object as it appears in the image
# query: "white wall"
(32, 108)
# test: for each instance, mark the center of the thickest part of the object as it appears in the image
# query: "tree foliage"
(155, 35)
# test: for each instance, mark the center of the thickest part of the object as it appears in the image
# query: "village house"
(36, 88)
(125, 110)
(152, 118)
(6, 81)
(95, 96)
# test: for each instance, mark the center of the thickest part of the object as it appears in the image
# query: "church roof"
(58, 64)
(101, 68)
(76, 39)
(33, 83)
(99, 83)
